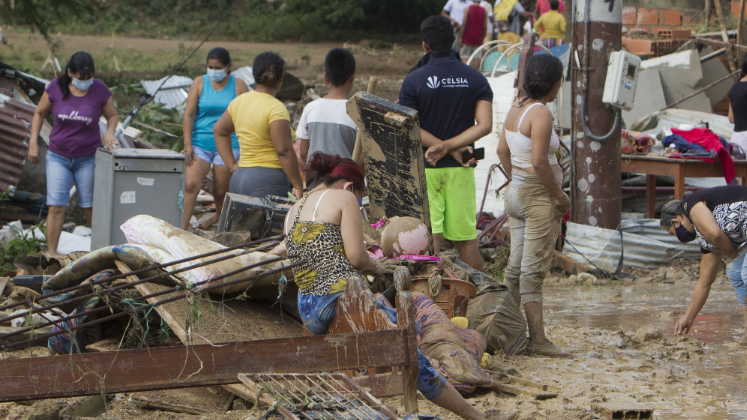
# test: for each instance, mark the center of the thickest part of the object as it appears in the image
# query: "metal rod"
(163, 292)
(701, 90)
(155, 304)
(711, 55)
(144, 270)
(658, 189)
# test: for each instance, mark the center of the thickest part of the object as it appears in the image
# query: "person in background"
(77, 101)
(717, 218)
(738, 108)
(508, 14)
(267, 164)
(450, 97)
(208, 99)
(535, 201)
(325, 125)
(551, 26)
(485, 4)
(543, 6)
(454, 10)
(474, 28)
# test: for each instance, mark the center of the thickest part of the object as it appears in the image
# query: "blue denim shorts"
(212, 157)
(736, 272)
(62, 173)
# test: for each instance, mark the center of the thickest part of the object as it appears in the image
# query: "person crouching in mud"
(717, 218)
(328, 233)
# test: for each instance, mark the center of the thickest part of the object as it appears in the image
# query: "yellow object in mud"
(460, 322)
(487, 361)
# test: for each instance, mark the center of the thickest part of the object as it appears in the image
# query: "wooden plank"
(393, 155)
(740, 29)
(724, 35)
(199, 400)
(28, 336)
(719, 44)
(650, 196)
(406, 320)
(568, 264)
(526, 54)
(198, 365)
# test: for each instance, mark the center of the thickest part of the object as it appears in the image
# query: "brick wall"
(657, 20)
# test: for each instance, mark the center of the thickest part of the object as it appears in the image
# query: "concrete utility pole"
(596, 184)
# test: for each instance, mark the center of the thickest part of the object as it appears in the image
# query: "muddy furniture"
(679, 169)
(217, 364)
(260, 216)
(393, 157)
(453, 294)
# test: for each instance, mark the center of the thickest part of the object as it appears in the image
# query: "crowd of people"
(246, 137)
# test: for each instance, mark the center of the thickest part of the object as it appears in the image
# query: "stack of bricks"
(664, 25)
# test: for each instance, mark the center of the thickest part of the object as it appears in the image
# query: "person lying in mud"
(717, 217)
(328, 233)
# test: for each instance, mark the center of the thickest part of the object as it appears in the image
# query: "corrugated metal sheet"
(650, 228)
(602, 247)
(245, 74)
(173, 94)
(15, 123)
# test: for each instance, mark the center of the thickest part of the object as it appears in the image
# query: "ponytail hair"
(327, 169)
(268, 69)
(81, 62)
(744, 67)
(543, 72)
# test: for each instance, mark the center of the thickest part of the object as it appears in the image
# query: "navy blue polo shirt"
(444, 91)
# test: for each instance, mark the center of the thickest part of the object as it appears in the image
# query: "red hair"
(328, 169)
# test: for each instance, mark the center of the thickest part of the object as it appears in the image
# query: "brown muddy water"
(722, 366)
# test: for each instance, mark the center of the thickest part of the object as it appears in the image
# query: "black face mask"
(684, 235)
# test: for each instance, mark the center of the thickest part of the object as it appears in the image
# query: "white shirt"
(328, 128)
(456, 8)
(489, 9)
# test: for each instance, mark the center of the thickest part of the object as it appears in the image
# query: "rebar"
(155, 304)
(156, 266)
(163, 292)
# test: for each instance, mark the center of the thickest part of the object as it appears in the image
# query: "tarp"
(651, 229)
(173, 94)
(602, 247)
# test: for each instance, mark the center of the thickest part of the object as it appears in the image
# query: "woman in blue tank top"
(208, 98)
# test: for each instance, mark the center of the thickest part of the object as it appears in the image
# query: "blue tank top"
(211, 105)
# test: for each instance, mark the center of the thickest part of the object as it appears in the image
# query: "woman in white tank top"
(535, 201)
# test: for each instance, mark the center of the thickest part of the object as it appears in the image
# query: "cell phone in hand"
(477, 154)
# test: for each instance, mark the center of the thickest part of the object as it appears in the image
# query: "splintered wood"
(393, 157)
(315, 396)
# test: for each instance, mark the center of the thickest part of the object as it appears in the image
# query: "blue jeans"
(213, 157)
(62, 172)
(736, 272)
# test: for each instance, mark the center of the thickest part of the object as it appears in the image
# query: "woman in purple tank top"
(77, 101)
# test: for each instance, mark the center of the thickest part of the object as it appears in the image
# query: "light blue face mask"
(82, 84)
(216, 75)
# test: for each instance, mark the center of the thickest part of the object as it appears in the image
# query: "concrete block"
(714, 70)
(680, 74)
(649, 97)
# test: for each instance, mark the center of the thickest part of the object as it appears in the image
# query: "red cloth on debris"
(706, 138)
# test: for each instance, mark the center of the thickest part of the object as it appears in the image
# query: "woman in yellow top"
(551, 26)
(268, 163)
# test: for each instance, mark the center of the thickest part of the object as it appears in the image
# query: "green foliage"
(252, 20)
(22, 245)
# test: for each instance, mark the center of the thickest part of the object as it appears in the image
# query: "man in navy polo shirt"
(449, 96)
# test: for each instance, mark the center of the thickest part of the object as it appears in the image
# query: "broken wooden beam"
(568, 264)
(197, 365)
(720, 44)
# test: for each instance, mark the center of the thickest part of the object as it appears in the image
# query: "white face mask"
(82, 84)
(216, 75)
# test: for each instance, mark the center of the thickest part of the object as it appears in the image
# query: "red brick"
(637, 45)
(681, 33)
(670, 17)
(629, 16)
(648, 17)
(734, 9)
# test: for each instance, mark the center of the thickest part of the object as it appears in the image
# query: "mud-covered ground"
(621, 336)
